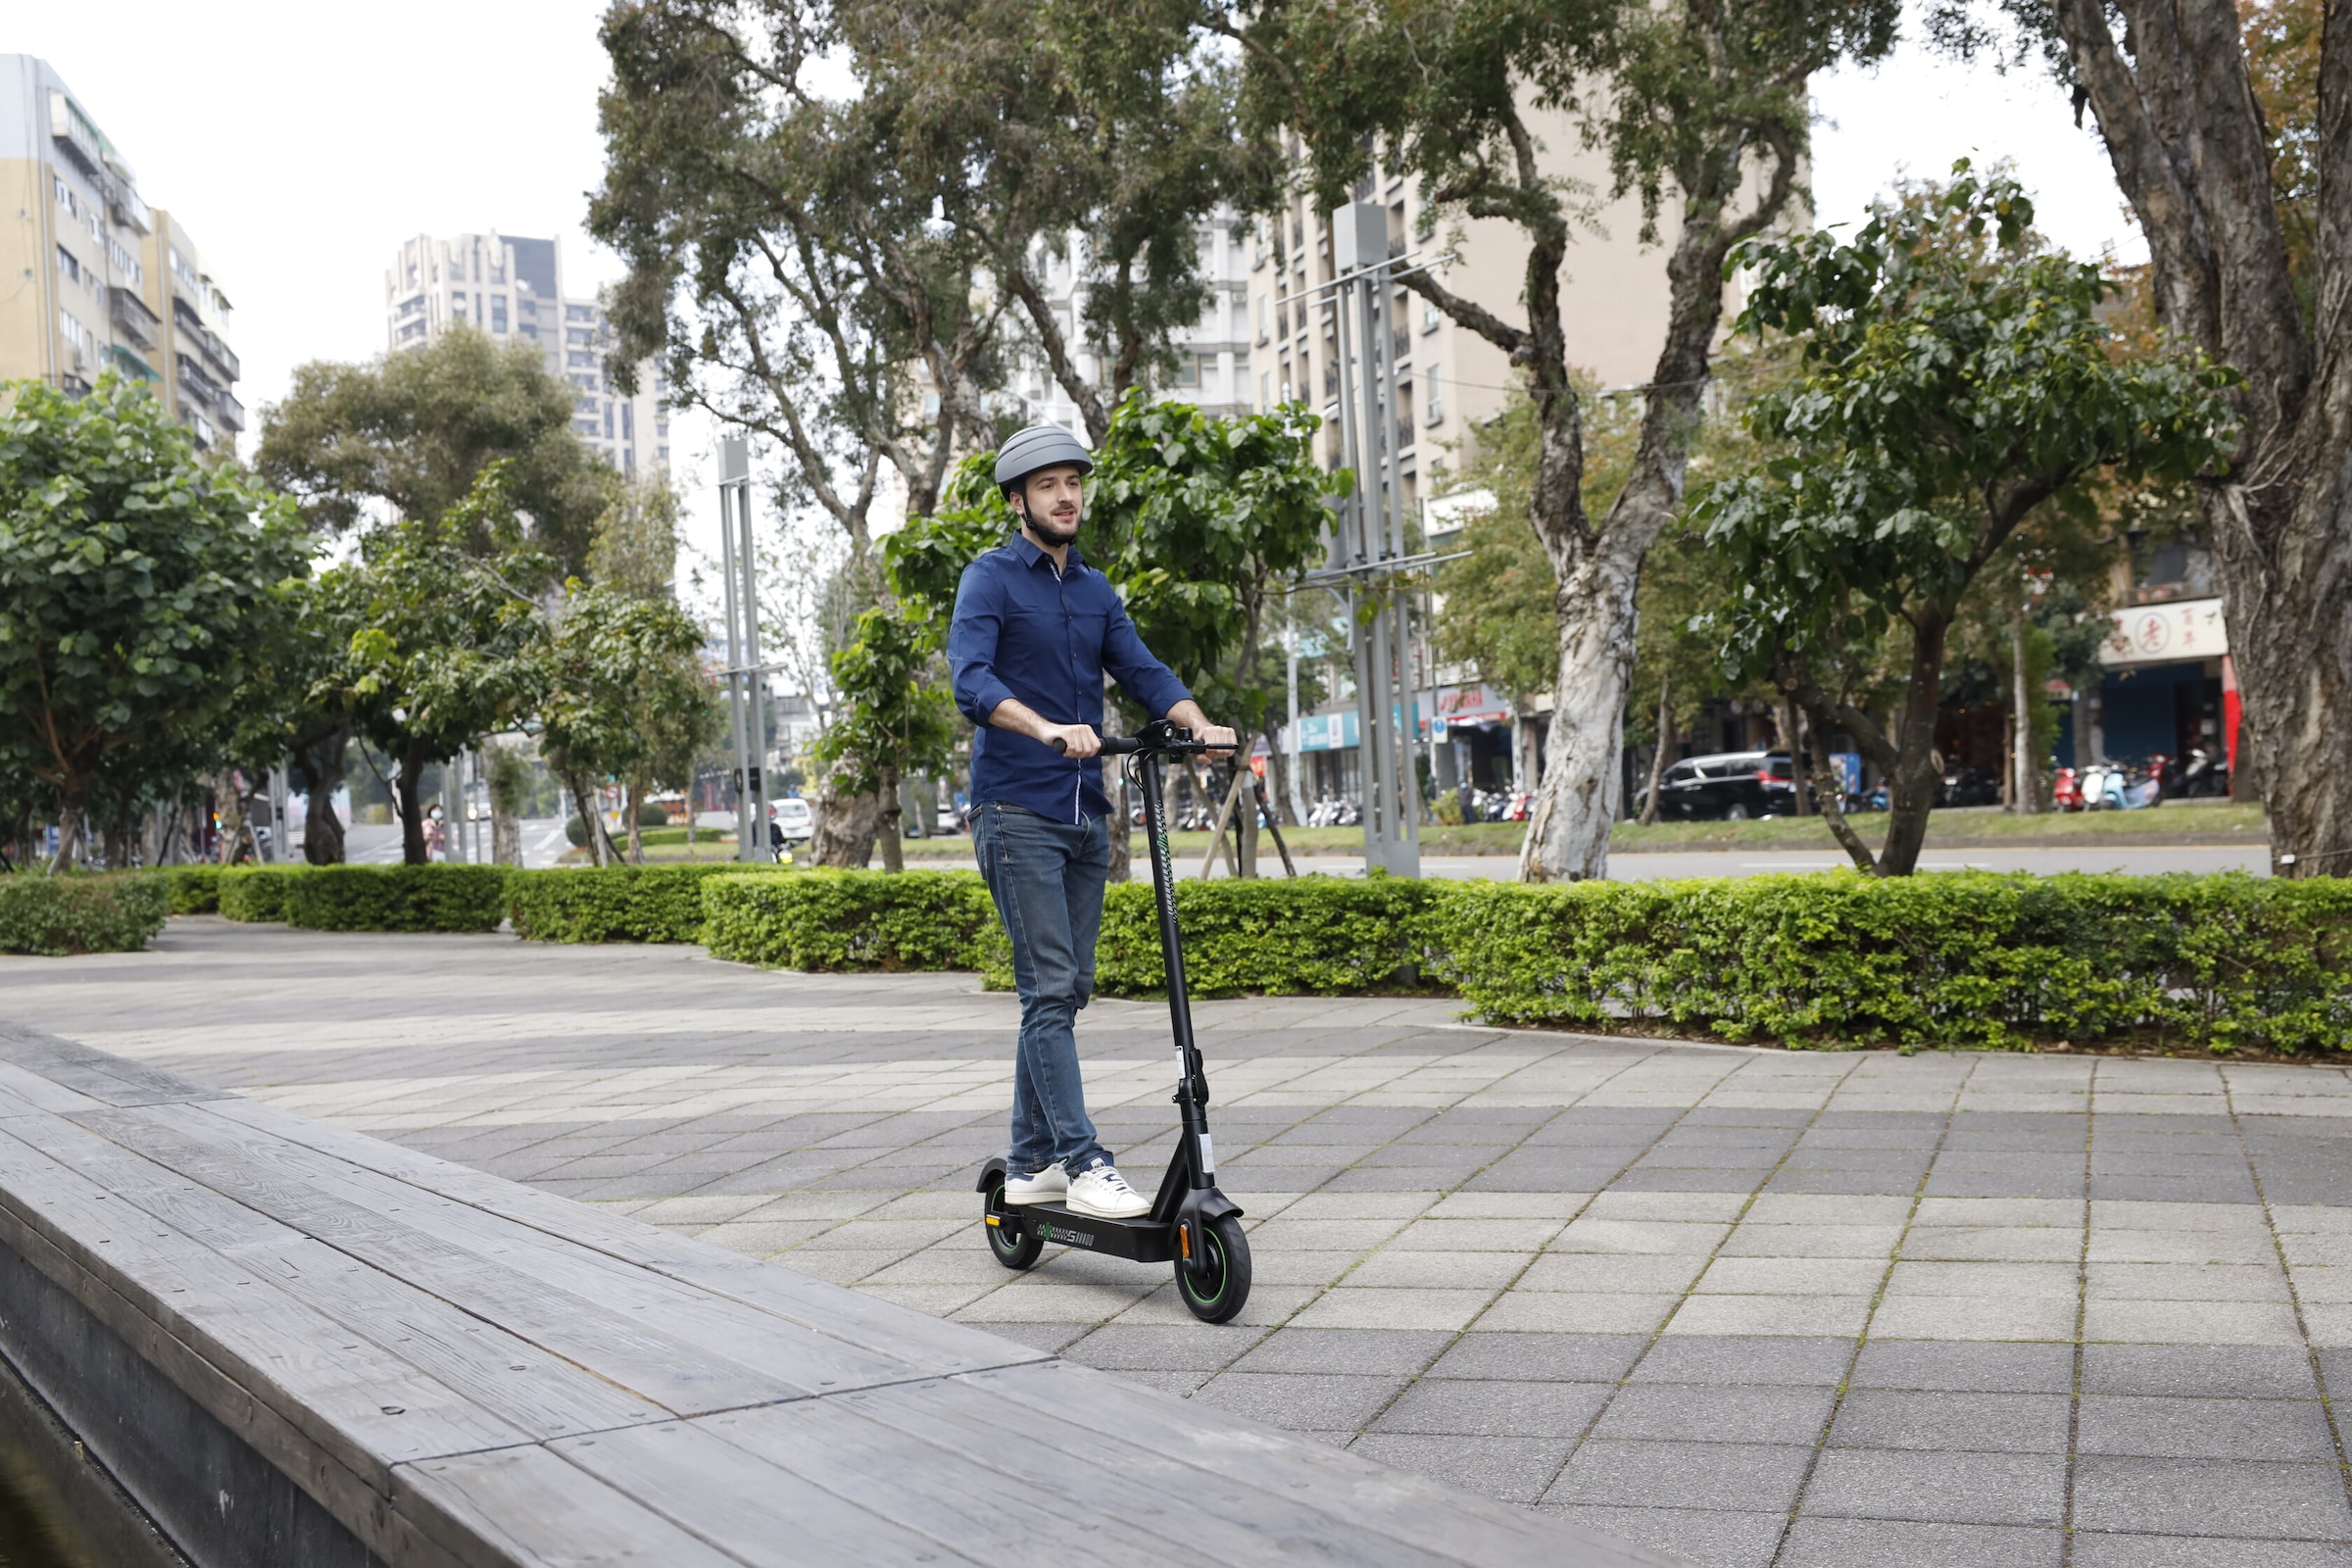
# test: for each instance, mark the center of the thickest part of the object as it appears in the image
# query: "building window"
(628, 421)
(579, 360)
(608, 421)
(662, 456)
(579, 313)
(498, 313)
(76, 333)
(584, 427)
(1263, 301)
(69, 264)
(662, 427)
(1188, 372)
(1266, 391)
(1432, 394)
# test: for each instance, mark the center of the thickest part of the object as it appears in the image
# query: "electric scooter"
(1189, 1223)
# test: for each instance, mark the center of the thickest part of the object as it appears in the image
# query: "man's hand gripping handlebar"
(1162, 738)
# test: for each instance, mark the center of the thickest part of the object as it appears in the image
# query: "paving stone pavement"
(1752, 1306)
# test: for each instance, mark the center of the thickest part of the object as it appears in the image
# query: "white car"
(796, 819)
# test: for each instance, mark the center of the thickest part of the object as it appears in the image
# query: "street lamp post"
(746, 685)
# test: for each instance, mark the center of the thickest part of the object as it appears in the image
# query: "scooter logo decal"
(1055, 1233)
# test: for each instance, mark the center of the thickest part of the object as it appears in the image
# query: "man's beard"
(1052, 531)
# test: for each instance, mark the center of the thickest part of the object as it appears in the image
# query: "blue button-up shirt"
(1023, 630)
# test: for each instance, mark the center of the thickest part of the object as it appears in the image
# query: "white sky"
(302, 143)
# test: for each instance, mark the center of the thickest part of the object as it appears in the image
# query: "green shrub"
(1308, 936)
(397, 898)
(848, 919)
(621, 903)
(57, 917)
(576, 827)
(193, 888)
(256, 893)
(1947, 959)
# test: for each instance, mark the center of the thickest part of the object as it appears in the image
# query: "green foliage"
(618, 904)
(192, 889)
(896, 717)
(256, 893)
(1972, 960)
(417, 429)
(397, 898)
(1303, 936)
(617, 675)
(138, 589)
(848, 919)
(59, 917)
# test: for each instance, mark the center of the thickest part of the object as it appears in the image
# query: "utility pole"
(746, 686)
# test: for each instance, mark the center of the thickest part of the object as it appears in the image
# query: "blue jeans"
(1046, 879)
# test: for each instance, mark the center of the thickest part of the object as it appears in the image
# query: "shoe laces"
(1109, 1176)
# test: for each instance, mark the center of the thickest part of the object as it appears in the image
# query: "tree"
(618, 678)
(1701, 103)
(2232, 143)
(1957, 378)
(898, 719)
(445, 647)
(136, 585)
(412, 431)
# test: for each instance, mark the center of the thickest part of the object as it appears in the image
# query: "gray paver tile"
(1396, 1266)
(1514, 1469)
(1791, 1276)
(1717, 1539)
(1996, 1489)
(1743, 1361)
(2205, 1429)
(1698, 1475)
(2191, 1322)
(1614, 1273)
(2095, 1550)
(1679, 1412)
(1574, 1313)
(2215, 1371)
(1146, 1347)
(1974, 1317)
(1402, 1351)
(1966, 1367)
(1815, 1542)
(1803, 1315)
(1496, 1408)
(2211, 1498)
(1325, 1402)
(1572, 1358)
(1947, 1422)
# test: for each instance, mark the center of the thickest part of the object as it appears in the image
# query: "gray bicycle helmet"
(1040, 446)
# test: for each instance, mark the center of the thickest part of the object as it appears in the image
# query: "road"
(367, 845)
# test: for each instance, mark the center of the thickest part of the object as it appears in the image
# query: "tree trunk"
(632, 796)
(321, 760)
(229, 804)
(2025, 772)
(1576, 804)
(846, 825)
(72, 818)
(891, 828)
(1917, 767)
(1784, 719)
(2189, 149)
(411, 803)
(1122, 855)
(1657, 759)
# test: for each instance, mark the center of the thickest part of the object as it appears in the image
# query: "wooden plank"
(883, 1328)
(767, 1516)
(32, 1092)
(946, 1495)
(115, 1080)
(327, 1410)
(1221, 1517)
(600, 1331)
(541, 1396)
(1435, 1518)
(526, 1506)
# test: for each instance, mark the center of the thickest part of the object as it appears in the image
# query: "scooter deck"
(1143, 1239)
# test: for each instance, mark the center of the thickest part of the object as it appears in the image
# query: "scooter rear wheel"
(1219, 1291)
(1012, 1241)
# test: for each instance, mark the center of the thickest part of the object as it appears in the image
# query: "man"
(1035, 630)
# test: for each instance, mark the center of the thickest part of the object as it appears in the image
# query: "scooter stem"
(1191, 1083)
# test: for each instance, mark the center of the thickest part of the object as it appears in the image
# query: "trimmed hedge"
(256, 893)
(619, 904)
(1970, 958)
(193, 888)
(396, 898)
(1304, 936)
(848, 919)
(59, 917)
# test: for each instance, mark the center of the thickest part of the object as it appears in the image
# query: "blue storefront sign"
(1328, 732)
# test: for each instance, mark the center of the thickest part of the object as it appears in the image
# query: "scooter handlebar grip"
(1120, 744)
(1059, 745)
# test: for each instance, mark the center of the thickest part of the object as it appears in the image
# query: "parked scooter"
(2205, 776)
(2066, 790)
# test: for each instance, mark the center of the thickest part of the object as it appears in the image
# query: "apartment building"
(1449, 380)
(511, 288)
(1212, 356)
(107, 283)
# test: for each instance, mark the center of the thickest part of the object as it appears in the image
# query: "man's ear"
(1019, 503)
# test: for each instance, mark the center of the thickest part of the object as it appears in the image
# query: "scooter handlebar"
(1181, 744)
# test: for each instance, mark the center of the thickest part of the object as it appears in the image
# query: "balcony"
(190, 318)
(232, 413)
(194, 383)
(133, 317)
(1400, 345)
(224, 357)
(131, 365)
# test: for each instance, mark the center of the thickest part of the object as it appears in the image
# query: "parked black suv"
(1733, 785)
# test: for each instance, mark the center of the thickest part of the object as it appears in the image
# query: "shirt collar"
(1030, 555)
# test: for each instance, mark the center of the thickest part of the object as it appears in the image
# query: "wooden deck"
(302, 1346)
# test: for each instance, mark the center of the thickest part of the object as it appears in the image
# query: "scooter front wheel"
(1219, 1290)
(1011, 1239)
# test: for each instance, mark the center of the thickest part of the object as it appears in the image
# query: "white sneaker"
(1038, 1187)
(1105, 1194)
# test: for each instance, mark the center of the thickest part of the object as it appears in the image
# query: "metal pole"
(754, 679)
(734, 458)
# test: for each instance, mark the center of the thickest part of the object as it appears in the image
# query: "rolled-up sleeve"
(1140, 675)
(972, 639)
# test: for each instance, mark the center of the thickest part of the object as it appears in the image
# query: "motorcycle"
(2206, 776)
(2066, 790)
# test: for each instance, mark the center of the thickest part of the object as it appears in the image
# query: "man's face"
(1050, 500)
